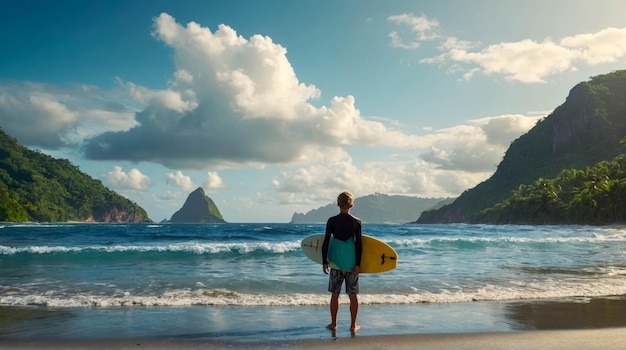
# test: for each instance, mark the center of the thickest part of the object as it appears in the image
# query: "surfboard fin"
(382, 258)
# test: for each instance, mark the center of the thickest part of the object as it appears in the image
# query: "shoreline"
(580, 323)
(604, 338)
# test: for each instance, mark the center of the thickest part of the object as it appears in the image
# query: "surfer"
(345, 251)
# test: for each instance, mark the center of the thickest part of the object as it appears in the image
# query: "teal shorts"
(336, 278)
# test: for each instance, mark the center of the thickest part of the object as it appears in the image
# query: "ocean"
(251, 281)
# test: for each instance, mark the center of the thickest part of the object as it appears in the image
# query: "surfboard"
(377, 256)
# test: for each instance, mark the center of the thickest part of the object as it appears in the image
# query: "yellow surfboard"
(377, 256)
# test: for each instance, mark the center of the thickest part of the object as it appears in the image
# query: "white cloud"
(52, 117)
(254, 75)
(133, 180)
(605, 46)
(169, 195)
(526, 61)
(503, 129)
(236, 102)
(35, 117)
(321, 183)
(421, 28)
(397, 42)
(477, 146)
(169, 99)
(181, 181)
(213, 181)
(453, 160)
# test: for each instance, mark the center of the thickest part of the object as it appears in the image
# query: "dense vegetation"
(595, 195)
(582, 132)
(37, 187)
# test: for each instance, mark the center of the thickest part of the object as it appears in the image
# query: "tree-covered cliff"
(592, 196)
(36, 187)
(583, 131)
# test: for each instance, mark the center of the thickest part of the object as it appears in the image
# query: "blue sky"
(275, 107)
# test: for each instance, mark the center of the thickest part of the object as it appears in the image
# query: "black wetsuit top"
(343, 226)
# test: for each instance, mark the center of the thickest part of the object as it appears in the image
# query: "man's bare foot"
(331, 326)
(355, 328)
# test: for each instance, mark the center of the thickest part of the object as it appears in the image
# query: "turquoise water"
(65, 281)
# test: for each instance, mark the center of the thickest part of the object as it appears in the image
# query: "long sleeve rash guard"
(343, 226)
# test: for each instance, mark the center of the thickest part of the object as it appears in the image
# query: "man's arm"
(325, 246)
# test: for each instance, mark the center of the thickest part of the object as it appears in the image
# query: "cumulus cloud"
(213, 181)
(235, 101)
(605, 46)
(320, 183)
(132, 180)
(169, 99)
(526, 61)
(181, 181)
(477, 146)
(43, 115)
(457, 158)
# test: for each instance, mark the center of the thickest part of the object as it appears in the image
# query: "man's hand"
(357, 270)
(325, 268)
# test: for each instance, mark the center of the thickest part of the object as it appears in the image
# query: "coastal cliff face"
(198, 208)
(118, 215)
(586, 129)
(584, 119)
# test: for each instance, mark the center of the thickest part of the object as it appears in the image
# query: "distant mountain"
(36, 187)
(198, 208)
(583, 131)
(375, 208)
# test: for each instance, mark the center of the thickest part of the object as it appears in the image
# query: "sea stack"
(198, 209)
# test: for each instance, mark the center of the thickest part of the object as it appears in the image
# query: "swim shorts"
(336, 278)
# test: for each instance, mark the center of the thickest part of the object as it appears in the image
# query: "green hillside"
(580, 133)
(36, 187)
(595, 195)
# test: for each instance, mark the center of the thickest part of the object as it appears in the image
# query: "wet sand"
(606, 338)
(574, 323)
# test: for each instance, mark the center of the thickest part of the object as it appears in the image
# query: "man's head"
(345, 200)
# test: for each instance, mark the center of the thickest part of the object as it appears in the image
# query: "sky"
(276, 106)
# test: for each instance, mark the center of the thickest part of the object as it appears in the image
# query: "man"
(345, 252)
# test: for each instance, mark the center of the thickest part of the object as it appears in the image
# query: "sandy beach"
(598, 323)
(606, 338)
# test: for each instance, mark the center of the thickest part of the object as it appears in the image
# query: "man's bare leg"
(334, 309)
(354, 310)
